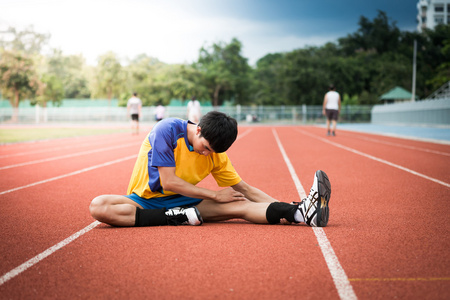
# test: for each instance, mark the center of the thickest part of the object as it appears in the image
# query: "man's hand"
(229, 195)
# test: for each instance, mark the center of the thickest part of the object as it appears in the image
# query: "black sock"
(150, 217)
(280, 210)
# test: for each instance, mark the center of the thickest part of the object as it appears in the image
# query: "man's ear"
(199, 130)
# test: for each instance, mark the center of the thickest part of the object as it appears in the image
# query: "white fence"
(264, 114)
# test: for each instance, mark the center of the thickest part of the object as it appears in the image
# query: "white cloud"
(171, 31)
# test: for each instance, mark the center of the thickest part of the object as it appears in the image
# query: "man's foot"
(314, 208)
(334, 134)
(184, 216)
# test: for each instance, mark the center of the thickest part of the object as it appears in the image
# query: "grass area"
(14, 135)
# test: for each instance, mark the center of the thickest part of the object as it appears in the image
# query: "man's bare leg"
(251, 211)
(115, 210)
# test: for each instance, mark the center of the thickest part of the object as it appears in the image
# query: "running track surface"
(388, 235)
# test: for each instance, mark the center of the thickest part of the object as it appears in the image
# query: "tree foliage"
(362, 65)
(225, 71)
(72, 72)
(51, 90)
(109, 77)
(19, 79)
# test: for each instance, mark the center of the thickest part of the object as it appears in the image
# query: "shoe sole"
(199, 217)
(324, 190)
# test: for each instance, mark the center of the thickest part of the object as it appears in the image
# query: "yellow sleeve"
(223, 171)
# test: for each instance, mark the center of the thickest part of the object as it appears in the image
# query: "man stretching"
(178, 154)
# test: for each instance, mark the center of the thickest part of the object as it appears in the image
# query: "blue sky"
(174, 30)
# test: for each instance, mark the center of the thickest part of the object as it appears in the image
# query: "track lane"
(233, 274)
(24, 175)
(365, 238)
(52, 148)
(39, 217)
(428, 163)
(374, 207)
(50, 144)
(429, 147)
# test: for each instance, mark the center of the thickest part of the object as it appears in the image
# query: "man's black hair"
(219, 129)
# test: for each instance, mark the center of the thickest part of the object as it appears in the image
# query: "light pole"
(413, 97)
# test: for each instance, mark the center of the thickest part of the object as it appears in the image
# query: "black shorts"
(332, 114)
(135, 117)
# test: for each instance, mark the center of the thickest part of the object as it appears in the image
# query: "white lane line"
(298, 184)
(68, 156)
(72, 143)
(377, 159)
(399, 145)
(343, 286)
(243, 134)
(31, 262)
(69, 174)
(80, 153)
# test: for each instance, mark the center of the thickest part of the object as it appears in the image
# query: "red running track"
(388, 235)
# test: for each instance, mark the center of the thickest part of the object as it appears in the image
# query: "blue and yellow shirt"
(167, 146)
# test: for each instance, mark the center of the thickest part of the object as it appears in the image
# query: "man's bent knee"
(97, 208)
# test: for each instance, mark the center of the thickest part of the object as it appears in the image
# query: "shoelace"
(313, 197)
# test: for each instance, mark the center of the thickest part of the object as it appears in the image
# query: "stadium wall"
(425, 112)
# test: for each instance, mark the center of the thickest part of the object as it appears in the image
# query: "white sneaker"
(314, 208)
(184, 216)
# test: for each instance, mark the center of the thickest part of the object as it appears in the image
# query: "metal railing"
(441, 93)
(249, 114)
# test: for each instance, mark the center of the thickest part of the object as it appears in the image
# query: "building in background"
(396, 95)
(432, 13)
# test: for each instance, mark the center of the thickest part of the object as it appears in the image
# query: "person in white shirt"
(134, 107)
(159, 112)
(331, 108)
(194, 110)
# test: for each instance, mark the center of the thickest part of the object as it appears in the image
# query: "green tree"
(443, 70)
(109, 77)
(19, 79)
(378, 35)
(185, 81)
(51, 89)
(439, 57)
(225, 71)
(71, 70)
(141, 73)
(269, 84)
(307, 76)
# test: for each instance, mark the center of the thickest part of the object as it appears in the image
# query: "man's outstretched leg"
(313, 210)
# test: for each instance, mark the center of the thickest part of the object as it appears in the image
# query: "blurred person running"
(194, 111)
(159, 112)
(134, 106)
(331, 108)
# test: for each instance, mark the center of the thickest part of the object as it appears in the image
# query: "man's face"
(200, 144)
